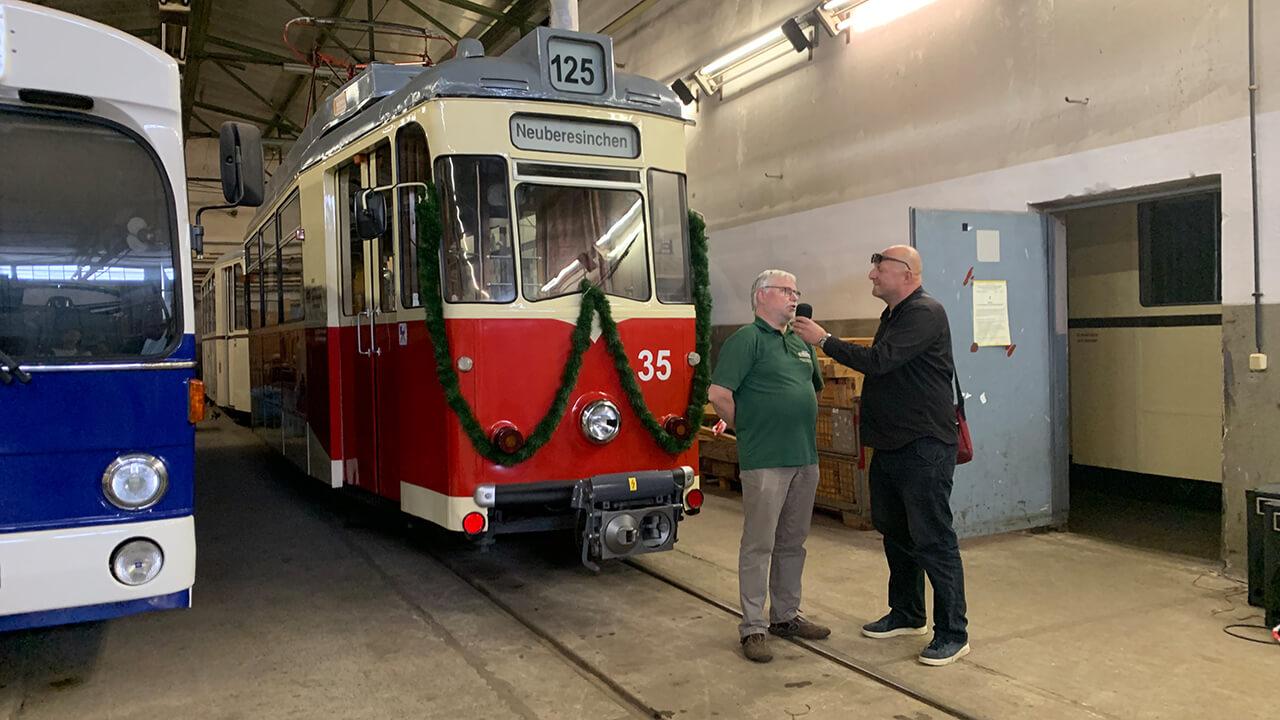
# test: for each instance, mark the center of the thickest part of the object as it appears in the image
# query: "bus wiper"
(14, 371)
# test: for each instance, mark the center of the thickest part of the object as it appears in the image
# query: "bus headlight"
(135, 481)
(136, 561)
(601, 421)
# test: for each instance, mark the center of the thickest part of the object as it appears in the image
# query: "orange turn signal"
(195, 401)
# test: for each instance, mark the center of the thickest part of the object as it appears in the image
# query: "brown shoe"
(755, 647)
(800, 628)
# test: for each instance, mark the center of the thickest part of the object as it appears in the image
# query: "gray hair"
(766, 278)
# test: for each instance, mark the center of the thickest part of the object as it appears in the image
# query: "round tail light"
(694, 499)
(677, 427)
(508, 439)
(473, 523)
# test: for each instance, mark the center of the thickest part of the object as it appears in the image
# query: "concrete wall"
(811, 164)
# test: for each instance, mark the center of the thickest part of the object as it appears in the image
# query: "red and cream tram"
(554, 189)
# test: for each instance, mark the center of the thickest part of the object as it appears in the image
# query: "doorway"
(1144, 319)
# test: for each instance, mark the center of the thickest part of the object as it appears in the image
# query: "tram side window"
(291, 259)
(477, 251)
(270, 275)
(253, 280)
(351, 247)
(414, 165)
(386, 248)
(291, 278)
(1179, 250)
(237, 292)
(670, 231)
(568, 234)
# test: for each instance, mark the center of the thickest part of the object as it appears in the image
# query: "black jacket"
(907, 393)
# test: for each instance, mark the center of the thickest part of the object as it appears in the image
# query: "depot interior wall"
(813, 161)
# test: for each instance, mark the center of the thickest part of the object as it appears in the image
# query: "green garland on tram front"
(594, 301)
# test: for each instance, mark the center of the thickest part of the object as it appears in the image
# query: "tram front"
(566, 322)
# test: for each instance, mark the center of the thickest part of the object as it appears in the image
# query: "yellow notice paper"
(991, 313)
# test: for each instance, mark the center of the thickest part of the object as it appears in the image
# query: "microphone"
(804, 310)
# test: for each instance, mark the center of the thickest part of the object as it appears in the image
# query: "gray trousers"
(777, 506)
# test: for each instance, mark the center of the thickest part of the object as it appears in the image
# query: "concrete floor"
(306, 606)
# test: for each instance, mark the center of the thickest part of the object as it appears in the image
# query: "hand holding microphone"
(804, 326)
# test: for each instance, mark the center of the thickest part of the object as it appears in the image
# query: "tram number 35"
(658, 366)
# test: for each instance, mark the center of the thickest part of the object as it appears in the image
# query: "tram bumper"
(625, 514)
(617, 514)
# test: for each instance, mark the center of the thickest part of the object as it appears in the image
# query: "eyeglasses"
(877, 258)
(790, 292)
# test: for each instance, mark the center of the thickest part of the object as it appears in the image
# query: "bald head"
(895, 273)
(907, 254)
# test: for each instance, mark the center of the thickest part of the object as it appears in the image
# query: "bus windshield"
(87, 242)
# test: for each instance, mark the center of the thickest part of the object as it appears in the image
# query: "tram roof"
(384, 91)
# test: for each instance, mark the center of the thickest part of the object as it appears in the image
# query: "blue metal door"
(1014, 393)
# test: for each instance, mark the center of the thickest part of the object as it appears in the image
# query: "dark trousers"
(911, 507)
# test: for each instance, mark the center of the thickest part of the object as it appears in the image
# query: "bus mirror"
(371, 214)
(240, 152)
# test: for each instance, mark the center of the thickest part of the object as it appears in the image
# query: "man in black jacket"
(908, 418)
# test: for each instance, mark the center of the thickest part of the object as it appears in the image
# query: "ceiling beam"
(482, 10)
(255, 119)
(196, 35)
(520, 9)
(439, 25)
(265, 55)
(249, 88)
(200, 120)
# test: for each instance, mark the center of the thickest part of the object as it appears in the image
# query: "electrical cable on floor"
(1275, 633)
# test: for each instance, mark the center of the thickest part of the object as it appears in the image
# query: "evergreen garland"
(594, 301)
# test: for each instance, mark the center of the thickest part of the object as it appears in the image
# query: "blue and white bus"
(98, 396)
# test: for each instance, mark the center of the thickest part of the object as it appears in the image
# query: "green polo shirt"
(774, 378)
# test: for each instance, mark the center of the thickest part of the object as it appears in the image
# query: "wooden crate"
(717, 447)
(840, 392)
(843, 487)
(837, 430)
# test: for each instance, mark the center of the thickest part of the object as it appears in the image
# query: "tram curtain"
(569, 221)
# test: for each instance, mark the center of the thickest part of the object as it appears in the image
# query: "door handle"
(373, 329)
(360, 338)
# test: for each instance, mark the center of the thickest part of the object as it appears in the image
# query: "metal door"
(1015, 390)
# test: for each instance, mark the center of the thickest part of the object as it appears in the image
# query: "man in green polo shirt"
(765, 386)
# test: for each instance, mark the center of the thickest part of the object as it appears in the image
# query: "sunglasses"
(877, 258)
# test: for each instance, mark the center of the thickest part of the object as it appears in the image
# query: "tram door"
(363, 265)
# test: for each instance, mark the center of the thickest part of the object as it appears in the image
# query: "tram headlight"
(135, 481)
(137, 561)
(601, 421)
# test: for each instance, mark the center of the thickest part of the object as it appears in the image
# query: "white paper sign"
(991, 313)
(988, 246)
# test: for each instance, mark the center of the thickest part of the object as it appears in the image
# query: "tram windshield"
(568, 234)
(87, 238)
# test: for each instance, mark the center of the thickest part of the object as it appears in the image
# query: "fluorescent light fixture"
(742, 52)
(835, 5)
(874, 13)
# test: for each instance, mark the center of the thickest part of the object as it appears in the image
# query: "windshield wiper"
(14, 371)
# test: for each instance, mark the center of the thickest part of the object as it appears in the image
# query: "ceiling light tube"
(874, 13)
(747, 50)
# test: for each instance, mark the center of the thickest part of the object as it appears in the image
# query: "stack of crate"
(842, 476)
